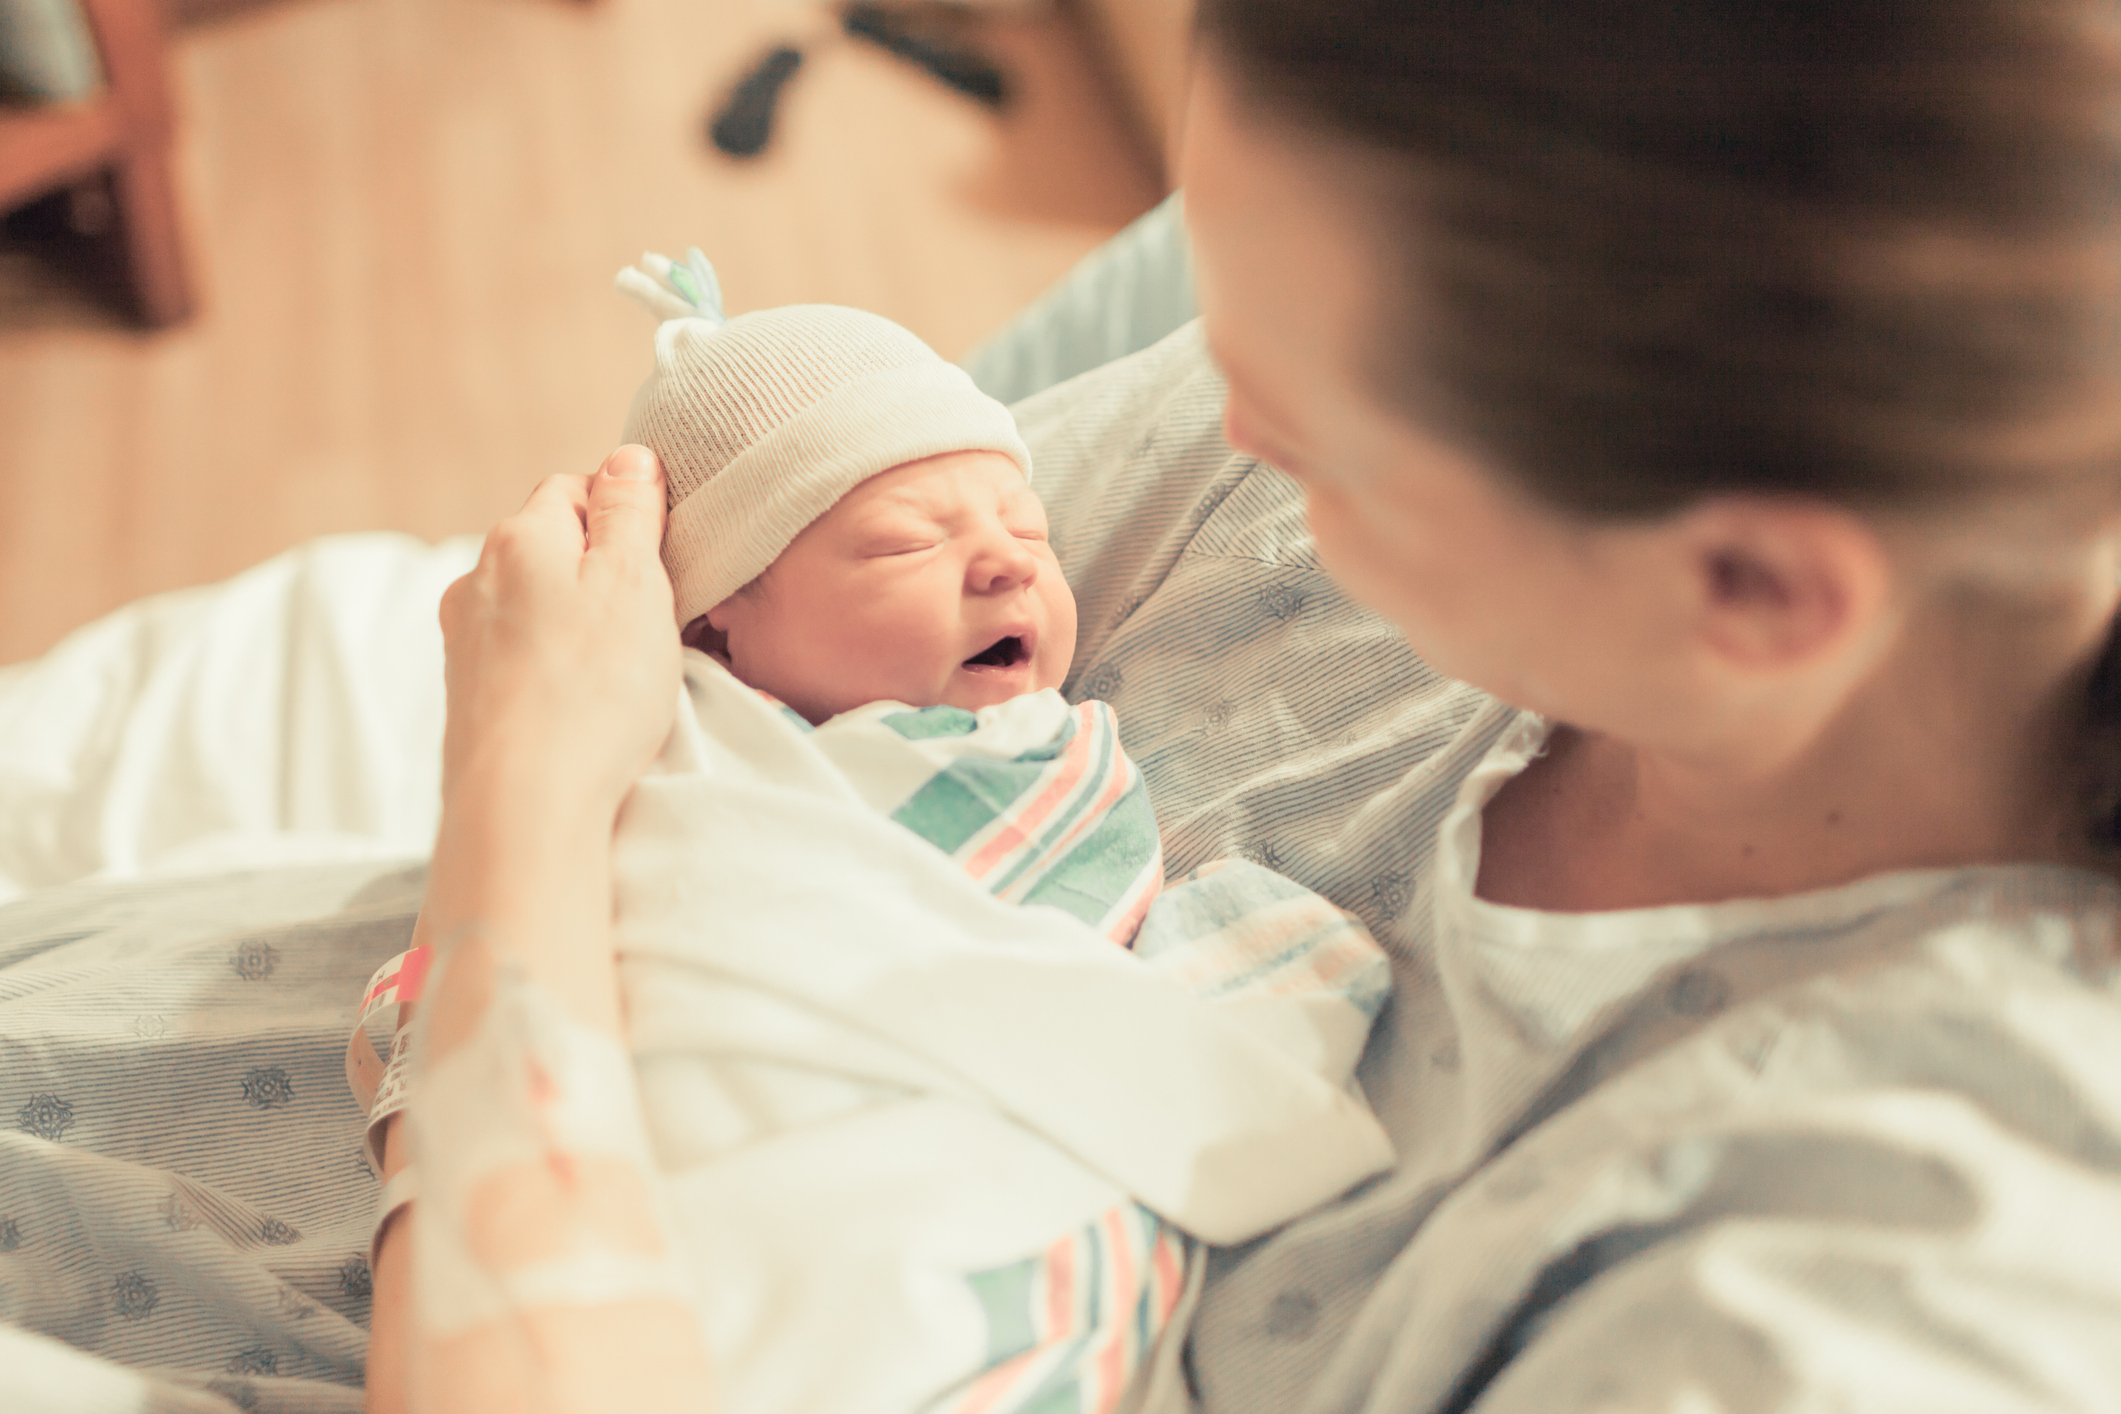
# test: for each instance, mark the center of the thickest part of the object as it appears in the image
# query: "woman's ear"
(1782, 584)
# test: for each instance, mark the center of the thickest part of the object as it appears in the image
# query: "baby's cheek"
(1058, 647)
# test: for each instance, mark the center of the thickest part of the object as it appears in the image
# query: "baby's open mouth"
(1003, 653)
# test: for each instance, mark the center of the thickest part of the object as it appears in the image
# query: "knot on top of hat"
(672, 291)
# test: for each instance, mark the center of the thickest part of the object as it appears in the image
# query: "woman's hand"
(561, 647)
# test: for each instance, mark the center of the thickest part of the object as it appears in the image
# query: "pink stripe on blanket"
(1116, 787)
(1113, 1364)
(1015, 833)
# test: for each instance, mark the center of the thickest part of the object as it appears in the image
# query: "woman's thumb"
(626, 503)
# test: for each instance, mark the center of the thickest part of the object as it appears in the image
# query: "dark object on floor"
(965, 70)
(745, 122)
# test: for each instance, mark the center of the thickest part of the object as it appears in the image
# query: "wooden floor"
(405, 219)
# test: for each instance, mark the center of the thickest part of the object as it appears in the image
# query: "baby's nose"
(1004, 563)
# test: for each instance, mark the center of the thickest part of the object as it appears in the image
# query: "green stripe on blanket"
(1063, 821)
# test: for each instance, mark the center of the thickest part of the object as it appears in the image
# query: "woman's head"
(1655, 322)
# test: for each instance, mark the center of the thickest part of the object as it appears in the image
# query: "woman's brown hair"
(1866, 250)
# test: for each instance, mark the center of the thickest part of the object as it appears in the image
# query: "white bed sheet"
(292, 714)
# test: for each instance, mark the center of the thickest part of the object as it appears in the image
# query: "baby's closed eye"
(898, 536)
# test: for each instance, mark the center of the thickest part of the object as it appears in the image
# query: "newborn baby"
(901, 1104)
(852, 530)
(851, 520)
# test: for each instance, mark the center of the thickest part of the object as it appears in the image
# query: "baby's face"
(930, 584)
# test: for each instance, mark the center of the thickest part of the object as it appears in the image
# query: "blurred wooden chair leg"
(130, 39)
(146, 197)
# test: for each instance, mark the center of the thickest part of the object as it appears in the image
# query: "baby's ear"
(707, 638)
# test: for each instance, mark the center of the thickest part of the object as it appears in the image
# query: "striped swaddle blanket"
(1039, 803)
(914, 1099)
(1034, 798)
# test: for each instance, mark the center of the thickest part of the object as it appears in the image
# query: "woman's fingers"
(553, 521)
(626, 505)
(618, 511)
(562, 655)
(562, 488)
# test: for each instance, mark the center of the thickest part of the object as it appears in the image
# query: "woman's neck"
(1959, 749)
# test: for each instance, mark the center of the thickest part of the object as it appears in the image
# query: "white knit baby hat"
(764, 421)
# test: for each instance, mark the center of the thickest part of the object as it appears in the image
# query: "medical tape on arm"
(513, 1110)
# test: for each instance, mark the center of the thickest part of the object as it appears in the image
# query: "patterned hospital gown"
(183, 1188)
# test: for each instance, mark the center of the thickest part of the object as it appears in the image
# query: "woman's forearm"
(522, 870)
(520, 885)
